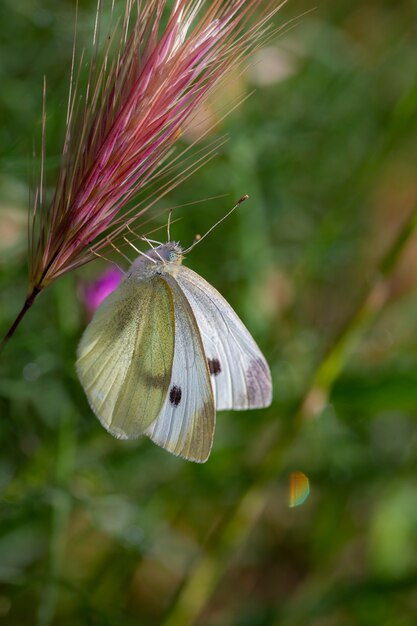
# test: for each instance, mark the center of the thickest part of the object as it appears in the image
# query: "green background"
(321, 265)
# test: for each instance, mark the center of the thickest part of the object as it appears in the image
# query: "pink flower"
(93, 293)
(119, 140)
(157, 67)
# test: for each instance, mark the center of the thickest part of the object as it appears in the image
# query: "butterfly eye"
(214, 366)
(175, 395)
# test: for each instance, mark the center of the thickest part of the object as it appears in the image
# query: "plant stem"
(25, 308)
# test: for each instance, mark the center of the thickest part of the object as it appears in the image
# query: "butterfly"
(163, 352)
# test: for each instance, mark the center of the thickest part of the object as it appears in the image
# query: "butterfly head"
(157, 259)
(170, 252)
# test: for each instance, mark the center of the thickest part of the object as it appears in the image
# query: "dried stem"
(25, 308)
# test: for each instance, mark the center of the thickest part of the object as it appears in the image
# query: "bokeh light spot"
(299, 489)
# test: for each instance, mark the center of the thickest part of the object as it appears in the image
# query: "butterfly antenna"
(154, 230)
(198, 238)
(169, 225)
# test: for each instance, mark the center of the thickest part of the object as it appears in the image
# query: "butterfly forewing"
(125, 356)
(185, 424)
(239, 373)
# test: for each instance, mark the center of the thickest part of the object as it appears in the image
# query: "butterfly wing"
(125, 356)
(239, 372)
(185, 425)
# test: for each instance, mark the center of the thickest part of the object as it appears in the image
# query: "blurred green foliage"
(98, 531)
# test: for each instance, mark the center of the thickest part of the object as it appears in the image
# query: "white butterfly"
(163, 352)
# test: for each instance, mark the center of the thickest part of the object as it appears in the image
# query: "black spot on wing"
(214, 366)
(175, 395)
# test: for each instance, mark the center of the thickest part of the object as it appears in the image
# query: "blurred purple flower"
(94, 292)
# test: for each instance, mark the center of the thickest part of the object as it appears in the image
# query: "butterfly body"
(164, 259)
(163, 352)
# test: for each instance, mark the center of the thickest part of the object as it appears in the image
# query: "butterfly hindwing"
(239, 372)
(185, 424)
(125, 356)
